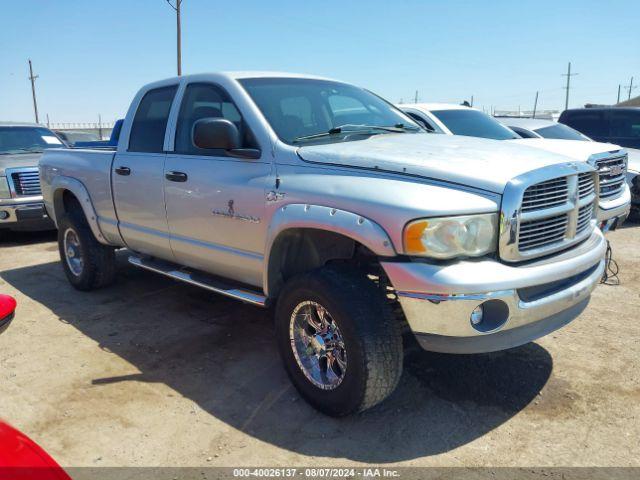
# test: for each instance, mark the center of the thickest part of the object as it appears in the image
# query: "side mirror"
(220, 134)
(215, 133)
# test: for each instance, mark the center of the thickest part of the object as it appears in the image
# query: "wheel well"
(65, 202)
(300, 250)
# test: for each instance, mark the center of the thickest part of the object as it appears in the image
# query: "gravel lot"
(153, 372)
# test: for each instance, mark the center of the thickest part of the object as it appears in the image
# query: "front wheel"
(339, 340)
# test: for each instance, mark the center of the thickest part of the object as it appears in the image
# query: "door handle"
(176, 176)
(123, 171)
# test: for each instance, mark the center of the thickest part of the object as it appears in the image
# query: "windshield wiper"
(361, 129)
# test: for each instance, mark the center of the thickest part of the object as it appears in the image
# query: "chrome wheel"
(73, 252)
(318, 345)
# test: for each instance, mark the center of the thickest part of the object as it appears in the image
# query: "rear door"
(138, 176)
(215, 203)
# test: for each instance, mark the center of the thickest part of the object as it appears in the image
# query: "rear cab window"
(625, 123)
(150, 121)
(591, 123)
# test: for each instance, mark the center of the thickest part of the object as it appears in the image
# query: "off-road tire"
(372, 336)
(99, 268)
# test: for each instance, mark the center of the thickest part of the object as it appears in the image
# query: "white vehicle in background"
(538, 128)
(610, 160)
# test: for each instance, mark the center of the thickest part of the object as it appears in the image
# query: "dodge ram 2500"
(325, 201)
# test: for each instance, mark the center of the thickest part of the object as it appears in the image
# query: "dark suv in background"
(619, 125)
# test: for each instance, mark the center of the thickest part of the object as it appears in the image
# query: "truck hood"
(18, 160)
(474, 162)
(576, 149)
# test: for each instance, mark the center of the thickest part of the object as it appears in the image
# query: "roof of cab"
(434, 106)
(528, 123)
(21, 124)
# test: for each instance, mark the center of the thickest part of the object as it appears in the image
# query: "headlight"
(449, 237)
(4, 188)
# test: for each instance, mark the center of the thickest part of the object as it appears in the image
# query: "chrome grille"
(26, 183)
(545, 195)
(547, 210)
(612, 173)
(586, 184)
(585, 214)
(539, 233)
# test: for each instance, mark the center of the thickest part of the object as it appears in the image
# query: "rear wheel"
(87, 263)
(340, 343)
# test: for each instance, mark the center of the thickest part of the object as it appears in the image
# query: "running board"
(199, 279)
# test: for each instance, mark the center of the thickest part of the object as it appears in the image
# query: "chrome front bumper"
(30, 215)
(539, 297)
(615, 211)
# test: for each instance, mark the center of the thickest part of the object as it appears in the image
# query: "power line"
(33, 77)
(568, 75)
(176, 7)
(618, 101)
(629, 88)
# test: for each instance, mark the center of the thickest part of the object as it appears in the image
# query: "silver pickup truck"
(21, 146)
(326, 202)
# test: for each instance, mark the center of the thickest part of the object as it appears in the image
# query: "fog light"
(4, 214)
(476, 315)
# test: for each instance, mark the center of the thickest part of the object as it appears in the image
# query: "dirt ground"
(153, 372)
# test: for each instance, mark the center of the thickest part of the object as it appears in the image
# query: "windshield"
(27, 140)
(320, 111)
(473, 123)
(561, 132)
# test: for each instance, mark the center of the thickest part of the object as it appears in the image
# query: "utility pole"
(176, 7)
(535, 105)
(48, 124)
(100, 126)
(618, 94)
(415, 99)
(472, 100)
(629, 88)
(33, 77)
(568, 75)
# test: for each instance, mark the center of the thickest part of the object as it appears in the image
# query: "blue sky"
(92, 56)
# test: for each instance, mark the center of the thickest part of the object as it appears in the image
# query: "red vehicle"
(7, 309)
(21, 458)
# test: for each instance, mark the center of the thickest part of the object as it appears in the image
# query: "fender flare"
(348, 224)
(61, 183)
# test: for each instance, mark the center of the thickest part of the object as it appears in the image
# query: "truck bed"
(92, 168)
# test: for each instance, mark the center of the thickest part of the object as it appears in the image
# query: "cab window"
(150, 122)
(202, 100)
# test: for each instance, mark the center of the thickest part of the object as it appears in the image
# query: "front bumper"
(521, 303)
(24, 216)
(612, 213)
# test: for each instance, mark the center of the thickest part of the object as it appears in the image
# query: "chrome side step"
(198, 279)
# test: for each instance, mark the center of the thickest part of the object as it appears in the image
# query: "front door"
(138, 177)
(215, 203)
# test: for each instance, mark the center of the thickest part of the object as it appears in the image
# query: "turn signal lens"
(450, 237)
